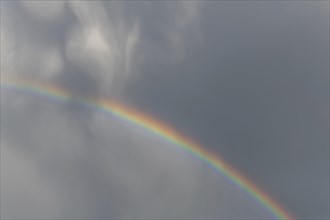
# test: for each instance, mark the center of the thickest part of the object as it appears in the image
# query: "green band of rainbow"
(158, 128)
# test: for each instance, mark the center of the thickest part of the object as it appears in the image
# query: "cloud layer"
(250, 79)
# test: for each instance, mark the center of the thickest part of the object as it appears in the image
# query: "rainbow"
(156, 127)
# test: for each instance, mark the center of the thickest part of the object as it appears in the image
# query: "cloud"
(256, 91)
(24, 191)
(236, 77)
(45, 11)
(77, 163)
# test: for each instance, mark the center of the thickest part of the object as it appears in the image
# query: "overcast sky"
(249, 80)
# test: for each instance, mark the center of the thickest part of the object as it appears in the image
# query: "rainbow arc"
(156, 127)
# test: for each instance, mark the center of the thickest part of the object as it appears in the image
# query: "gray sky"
(248, 80)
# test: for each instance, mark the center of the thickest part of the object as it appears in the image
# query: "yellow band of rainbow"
(158, 128)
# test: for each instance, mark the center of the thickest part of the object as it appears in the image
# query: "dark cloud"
(256, 90)
(248, 80)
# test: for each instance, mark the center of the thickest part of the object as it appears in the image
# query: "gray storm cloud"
(250, 79)
(83, 164)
